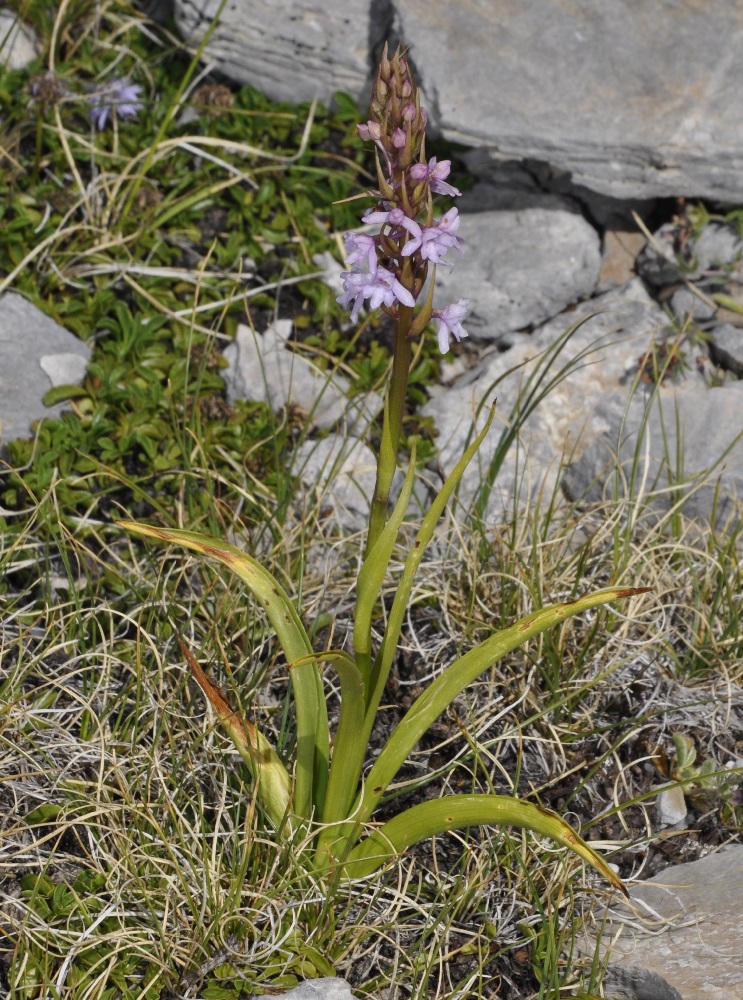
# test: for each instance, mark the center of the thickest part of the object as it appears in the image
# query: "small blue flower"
(115, 97)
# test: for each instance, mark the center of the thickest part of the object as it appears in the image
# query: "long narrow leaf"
(312, 718)
(441, 692)
(453, 812)
(271, 777)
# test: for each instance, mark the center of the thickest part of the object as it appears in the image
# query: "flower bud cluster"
(390, 269)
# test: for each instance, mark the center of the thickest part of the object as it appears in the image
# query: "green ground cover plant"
(136, 859)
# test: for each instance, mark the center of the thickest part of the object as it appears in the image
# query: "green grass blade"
(312, 718)
(441, 692)
(453, 812)
(372, 573)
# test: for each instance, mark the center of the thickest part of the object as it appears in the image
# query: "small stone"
(626, 982)
(670, 807)
(657, 263)
(36, 354)
(686, 305)
(718, 245)
(339, 474)
(18, 44)
(726, 348)
(329, 988)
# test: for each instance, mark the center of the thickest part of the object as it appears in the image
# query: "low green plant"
(324, 803)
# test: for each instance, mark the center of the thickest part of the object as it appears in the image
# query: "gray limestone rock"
(726, 348)
(522, 266)
(329, 988)
(624, 982)
(262, 368)
(18, 44)
(702, 425)
(292, 50)
(610, 334)
(684, 926)
(687, 305)
(718, 245)
(631, 100)
(37, 355)
(339, 474)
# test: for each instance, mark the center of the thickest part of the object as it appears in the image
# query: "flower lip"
(450, 323)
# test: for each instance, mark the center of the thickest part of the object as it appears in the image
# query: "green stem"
(392, 426)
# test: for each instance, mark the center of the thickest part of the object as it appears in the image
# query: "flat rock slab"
(521, 267)
(292, 50)
(684, 925)
(633, 100)
(36, 354)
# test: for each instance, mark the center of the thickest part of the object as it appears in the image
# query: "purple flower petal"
(450, 323)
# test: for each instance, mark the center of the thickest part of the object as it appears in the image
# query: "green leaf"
(61, 393)
(312, 717)
(45, 813)
(348, 752)
(441, 692)
(453, 812)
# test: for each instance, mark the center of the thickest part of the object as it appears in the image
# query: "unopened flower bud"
(409, 112)
(406, 89)
(381, 91)
(398, 138)
(385, 67)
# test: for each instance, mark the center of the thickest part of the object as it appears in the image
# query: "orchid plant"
(329, 796)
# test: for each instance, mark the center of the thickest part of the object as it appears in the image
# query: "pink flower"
(450, 323)
(436, 174)
(380, 286)
(434, 241)
(360, 248)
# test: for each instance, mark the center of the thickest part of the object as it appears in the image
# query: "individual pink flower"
(450, 323)
(360, 248)
(434, 241)
(436, 174)
(380, 286)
